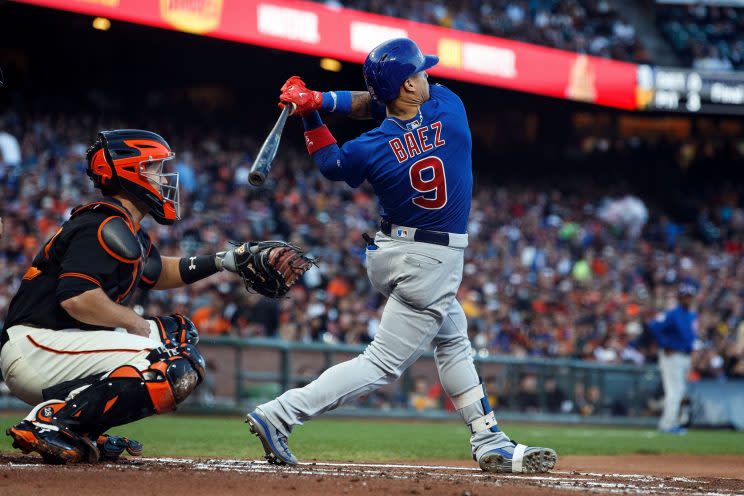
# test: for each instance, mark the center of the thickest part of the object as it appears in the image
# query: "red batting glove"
(305, 100)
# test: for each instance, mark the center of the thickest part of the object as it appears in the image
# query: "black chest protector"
(118, 236)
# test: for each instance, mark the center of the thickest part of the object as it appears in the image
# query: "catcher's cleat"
(55, 443)
(274, 442)
(111, 447)
(518, 459)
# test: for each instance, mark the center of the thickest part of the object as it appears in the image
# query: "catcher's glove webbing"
(271, 267)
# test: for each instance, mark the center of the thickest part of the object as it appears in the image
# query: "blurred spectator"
(586, 26)
(555, 398)
(706, 36)
(421, 396)
(544, 275)
(527, 397)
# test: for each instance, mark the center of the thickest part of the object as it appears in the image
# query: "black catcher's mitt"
(271, 267)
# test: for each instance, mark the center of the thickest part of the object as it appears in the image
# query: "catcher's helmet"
(131, 160)
(388, 66)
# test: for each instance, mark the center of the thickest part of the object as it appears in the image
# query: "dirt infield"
(636, 474)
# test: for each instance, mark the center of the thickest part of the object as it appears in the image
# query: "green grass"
(368, 440)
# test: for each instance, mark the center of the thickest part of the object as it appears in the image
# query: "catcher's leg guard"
(127, 394)
(62, 431)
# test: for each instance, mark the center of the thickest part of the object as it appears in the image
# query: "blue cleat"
(518, 459)
(274, 442)
(675, 431)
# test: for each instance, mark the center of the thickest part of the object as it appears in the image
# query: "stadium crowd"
(547, 274)
(705, 36)
(592, 27)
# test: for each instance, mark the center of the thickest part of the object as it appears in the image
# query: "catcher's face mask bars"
(165, 182)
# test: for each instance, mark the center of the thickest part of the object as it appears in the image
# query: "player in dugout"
(418, 160)
(72, 347)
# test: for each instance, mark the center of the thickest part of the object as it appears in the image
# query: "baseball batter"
(71, 347)
(418, 160)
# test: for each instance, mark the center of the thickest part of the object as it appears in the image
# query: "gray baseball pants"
(421, 281)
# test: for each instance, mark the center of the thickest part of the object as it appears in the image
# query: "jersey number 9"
(436, 182)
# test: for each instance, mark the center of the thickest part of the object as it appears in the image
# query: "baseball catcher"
(70, 344)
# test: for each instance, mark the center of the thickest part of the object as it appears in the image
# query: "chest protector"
(139, 259)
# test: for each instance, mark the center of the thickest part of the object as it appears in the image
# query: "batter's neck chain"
(410, 126)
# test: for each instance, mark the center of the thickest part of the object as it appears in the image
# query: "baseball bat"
(265, 158)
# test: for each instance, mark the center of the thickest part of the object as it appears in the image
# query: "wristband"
(312, 121)
(318, 138)
(193, 269)
(337, 101)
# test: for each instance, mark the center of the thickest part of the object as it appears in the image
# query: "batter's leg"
(491, 448)
(403, 335)
(457, 373)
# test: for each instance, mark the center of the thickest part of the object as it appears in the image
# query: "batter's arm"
(95, 308)
(361, 105)
(322, 147)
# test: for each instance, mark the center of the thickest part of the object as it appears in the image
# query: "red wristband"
(318, 138)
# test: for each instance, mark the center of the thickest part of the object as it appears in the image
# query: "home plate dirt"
(21, 475)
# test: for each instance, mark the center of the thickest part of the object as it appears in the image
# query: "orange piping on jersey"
(106, 248)
(49, 243)
(133, 226)
(135, 268)
(83, 352)
(81, 276)
(31, 273)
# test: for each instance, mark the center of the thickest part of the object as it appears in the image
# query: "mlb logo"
(402, 233)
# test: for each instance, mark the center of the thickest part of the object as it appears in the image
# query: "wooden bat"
(265, 158)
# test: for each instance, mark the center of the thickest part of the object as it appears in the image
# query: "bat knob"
(256, 178)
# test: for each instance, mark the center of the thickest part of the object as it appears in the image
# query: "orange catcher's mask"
(133, 161)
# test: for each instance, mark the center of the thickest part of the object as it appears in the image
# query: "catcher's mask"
(132, 160)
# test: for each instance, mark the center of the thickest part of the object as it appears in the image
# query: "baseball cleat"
(274, 442)
(58, 445)
(676, 431)
(55, 443)
(518, 459)
(111, 447)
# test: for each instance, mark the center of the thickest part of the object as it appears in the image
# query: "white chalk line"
(586, 481)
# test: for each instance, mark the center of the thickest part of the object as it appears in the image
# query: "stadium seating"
(572, 274)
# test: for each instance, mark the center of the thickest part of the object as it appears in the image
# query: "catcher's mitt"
(271, 267)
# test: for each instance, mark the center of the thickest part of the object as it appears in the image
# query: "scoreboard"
(671, 89)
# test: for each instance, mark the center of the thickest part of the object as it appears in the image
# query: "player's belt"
(422, 235)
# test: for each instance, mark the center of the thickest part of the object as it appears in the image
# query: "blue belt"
(421, 235)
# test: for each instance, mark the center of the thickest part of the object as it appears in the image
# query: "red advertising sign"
(349, 35)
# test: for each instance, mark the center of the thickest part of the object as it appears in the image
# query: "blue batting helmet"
(390, 64)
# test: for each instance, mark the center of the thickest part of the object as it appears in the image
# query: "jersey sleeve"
(85, 264)
(353, 162)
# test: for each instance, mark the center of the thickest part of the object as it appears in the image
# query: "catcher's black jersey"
(77, 259)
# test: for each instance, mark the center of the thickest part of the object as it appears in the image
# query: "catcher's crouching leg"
(62, 431)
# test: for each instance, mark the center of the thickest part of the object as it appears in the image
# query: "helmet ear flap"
(99, 169)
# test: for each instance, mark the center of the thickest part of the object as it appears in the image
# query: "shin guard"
(127, 394)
